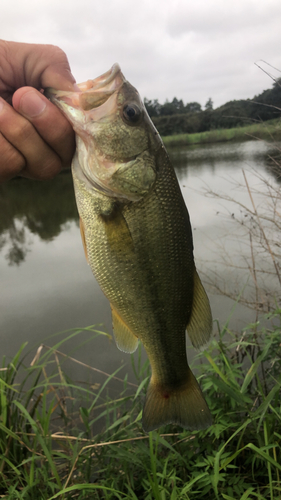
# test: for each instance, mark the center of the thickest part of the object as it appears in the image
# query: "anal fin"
(126, 341)
(200, 324)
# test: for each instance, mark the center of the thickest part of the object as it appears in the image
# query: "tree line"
(175, 117)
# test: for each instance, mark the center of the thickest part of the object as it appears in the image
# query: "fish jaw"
(91, 94)
(95, 102)
(114, 155)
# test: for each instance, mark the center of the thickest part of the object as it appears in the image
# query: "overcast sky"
(191, 49)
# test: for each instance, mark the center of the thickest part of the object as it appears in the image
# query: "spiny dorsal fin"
(125, 339)
(200, 325)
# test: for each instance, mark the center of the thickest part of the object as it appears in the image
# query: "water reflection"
(28, 206)
(212, 157)
(47, 286)
(272, 163)
(206, 154)
(45, 208)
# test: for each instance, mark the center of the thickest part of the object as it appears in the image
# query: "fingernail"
(1, 104)
(31, 104)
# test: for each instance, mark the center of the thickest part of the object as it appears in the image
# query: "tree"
(178, 105)
(209, 104)
(168, 108)
(193, 107)
(153, 107)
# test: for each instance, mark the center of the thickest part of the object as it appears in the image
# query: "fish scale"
(138, 241)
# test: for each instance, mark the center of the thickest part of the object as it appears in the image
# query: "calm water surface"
(46, 284)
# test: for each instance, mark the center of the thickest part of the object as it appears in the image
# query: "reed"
(256, 224)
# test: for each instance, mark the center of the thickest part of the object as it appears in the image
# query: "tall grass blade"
(44, 446)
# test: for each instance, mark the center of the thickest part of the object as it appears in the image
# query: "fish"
(137, 239)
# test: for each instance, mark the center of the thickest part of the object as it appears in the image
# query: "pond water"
(47, 286)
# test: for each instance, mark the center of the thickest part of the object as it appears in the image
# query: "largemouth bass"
(138, 241)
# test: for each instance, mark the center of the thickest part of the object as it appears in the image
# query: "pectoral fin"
(117, 232)
(125, 339)
(199, 328)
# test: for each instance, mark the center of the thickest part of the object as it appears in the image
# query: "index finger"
(37, 65)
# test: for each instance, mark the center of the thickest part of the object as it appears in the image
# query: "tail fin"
(184, 406)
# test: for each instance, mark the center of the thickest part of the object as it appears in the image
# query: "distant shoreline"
(269, 131)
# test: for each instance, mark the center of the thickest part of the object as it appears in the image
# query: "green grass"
(269, 131)
(49, 447)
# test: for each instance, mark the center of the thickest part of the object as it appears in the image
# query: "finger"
(40, 161)
(49, 122)
(58, 73)
(50, 64)
(37, 65)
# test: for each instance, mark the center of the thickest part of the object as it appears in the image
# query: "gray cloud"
(192, 50)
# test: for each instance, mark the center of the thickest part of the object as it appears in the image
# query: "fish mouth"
(92, 93)
(106, 80)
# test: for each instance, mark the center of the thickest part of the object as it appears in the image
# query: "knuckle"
(49, 169)
(57, 50)
(23, 131)
(63, 132)
(55, 53)
(12, 162)
(64, 143)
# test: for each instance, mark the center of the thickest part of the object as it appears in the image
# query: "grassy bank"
(269, 131)
(49, 449)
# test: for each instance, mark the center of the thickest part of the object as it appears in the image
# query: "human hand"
(36, 140)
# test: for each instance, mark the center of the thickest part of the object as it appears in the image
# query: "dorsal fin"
(200, 324)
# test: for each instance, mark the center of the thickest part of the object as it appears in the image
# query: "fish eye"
(131, 113)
